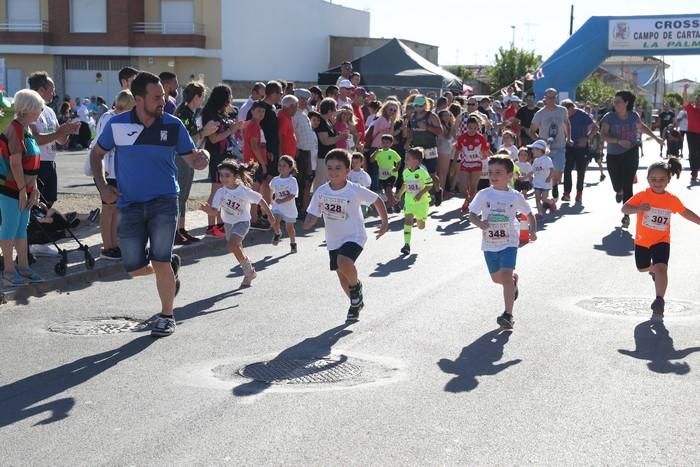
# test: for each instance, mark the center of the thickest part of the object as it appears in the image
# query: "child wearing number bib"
(417, 182)
(652, 241)
(285, 189)
(388, 162)
(339, 202)
(494, 210)
(234, 201)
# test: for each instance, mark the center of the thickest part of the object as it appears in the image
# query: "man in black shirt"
(524, 118)
(666, 118)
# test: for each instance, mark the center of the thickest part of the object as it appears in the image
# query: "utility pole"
(571, 21)
(512, 42)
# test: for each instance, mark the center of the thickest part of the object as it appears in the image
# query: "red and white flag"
(539, 74)
(529, 77)
(518, 85)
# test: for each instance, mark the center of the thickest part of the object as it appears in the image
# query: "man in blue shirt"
(576, 149)
(146, 142)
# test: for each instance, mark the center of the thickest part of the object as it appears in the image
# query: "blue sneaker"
(13, 279)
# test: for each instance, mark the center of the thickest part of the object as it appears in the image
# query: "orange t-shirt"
(654, 225)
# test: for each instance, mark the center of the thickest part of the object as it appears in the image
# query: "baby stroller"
(39, 233)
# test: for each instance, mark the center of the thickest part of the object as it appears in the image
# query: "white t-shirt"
(499, 208)
(513, 151)
(681, 118)
(541, 167)
(235, 203)
(47, 123)
(342, 213)
(108, 160)
(281, 188)
(360, 177)
(525, 168)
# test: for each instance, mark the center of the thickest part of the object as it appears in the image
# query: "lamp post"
(512, 42)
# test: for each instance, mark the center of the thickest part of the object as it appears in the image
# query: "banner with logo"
(654, 33)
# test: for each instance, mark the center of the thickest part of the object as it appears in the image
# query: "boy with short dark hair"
(339, 202)
(494, 210)
(388, 162)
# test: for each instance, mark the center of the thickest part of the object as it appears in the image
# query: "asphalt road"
(581, 380)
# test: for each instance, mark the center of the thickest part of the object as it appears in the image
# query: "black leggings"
(622, 169)
(694, 151)
(576, 158)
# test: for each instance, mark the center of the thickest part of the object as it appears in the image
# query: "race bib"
(334, 208)
(232, 207)
(282, 194)
(657, 219)
(384, 173)
(413, 186)
(430, 153)
(469, 155)
(498, 234)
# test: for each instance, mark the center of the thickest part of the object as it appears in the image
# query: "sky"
(468, 33)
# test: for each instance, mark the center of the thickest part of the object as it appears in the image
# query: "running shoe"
(406, 250)
(276, 239)
(657, 308)
(566, 197)
(248, 280)
(438, 198)
(353, 314)
(163, 327)
(602, 177)
(356, 298)
(506, 321)
(180, 239)
(215, 232)
(579, 196)
(465, 207)
(618, 197)
(13, 279)
(175, 262)
(189, 236)
(30, 275)
(293, 247)
(625, 221)
(94, 215)
(110, 254)
(260, 225)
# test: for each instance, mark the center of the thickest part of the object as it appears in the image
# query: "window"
(88, 15)
(23, 15)
(177, 16)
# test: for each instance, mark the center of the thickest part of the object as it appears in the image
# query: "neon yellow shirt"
(388, 161)
(414, 181)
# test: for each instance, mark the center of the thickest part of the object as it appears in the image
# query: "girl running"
(338, 202)
(471, 149)
(285, 189)
(509, 144)
(523, 183)
(652, 240)
(233, 201)
(417, 182)
(543, 167)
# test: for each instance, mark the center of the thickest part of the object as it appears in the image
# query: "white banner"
(654, 33)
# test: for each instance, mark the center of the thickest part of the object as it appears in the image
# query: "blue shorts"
(14, 222)
(558, 157)
(152, 223)
(504, 259)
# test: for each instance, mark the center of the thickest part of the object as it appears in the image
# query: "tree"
(674, 99)
(511, 64)
(464, 73)
(595, 91)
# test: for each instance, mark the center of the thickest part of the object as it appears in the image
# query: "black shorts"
(48, 182)
(658, 253)
(522, 185)
(259, 176)
(387, 182)
(348, 249)
(431, 165)
(304, 164)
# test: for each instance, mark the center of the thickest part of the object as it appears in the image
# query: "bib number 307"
(657, 219)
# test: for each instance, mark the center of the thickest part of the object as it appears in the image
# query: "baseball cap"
(302, 93)
(514, 99)
(345, 83)
(539, 144)
(419, 100)
(360, 91)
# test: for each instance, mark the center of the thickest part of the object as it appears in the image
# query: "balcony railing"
(168, 28)
(24, 26)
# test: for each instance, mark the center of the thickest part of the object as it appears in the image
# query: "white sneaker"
(43, 250)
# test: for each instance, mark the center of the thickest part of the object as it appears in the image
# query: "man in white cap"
(345, 89)
(345, 72)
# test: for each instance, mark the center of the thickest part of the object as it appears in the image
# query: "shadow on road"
(654, 343)
(309, 348)
(619, 242)
(398, 264)
(19, 399)
(477, 359)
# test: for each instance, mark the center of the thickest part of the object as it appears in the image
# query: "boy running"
(338, 202)
(494, 210)
(417, 182)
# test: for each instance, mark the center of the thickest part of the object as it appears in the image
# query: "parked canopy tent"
(396, 65)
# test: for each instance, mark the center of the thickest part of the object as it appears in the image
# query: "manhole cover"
(633, 306)
(98, 326)
(317, 370)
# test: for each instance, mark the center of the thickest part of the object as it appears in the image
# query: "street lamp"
(512, 42)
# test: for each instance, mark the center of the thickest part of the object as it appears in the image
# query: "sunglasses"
(471, 103)
(391, 109)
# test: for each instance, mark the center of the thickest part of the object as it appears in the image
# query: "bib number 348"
(497, 234)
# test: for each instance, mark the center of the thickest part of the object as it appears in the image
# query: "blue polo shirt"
(579, 125)
(144, 158)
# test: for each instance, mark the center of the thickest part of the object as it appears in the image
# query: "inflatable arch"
(604, 36)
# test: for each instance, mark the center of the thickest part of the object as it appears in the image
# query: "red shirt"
(288, 140)
(469, 150)
(510, 113)
(252, 131)
(693, 118)
(359, 122)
